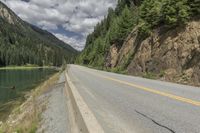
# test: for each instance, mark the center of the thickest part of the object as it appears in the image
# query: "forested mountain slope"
(150, 38)
(22, 43)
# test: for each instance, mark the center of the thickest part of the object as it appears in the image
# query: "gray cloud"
(75, 40)
(78, 16)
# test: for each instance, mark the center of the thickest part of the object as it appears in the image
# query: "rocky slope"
(172, 55)
(151, 38)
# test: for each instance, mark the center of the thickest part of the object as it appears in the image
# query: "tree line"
(21, 44)
(146, 14)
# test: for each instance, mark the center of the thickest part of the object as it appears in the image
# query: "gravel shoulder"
(55, 116)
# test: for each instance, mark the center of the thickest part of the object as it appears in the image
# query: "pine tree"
(120, 6)
(114, 31)
(125, 23)
(175, 12)
(150, 11)
(111, 15)
(195, 7)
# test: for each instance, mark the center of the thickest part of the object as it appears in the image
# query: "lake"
(15, 83)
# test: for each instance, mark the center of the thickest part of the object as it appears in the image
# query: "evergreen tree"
(175, 12)
(150, 11)
(120, 6)
(126, 23)
(145, 14)
(114, 31)
(195, 7)
(111, 15)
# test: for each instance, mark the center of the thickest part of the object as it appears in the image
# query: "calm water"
(15, 83)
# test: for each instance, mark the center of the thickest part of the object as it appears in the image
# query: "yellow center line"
(172, 96)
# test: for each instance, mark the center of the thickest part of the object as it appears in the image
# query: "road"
(127, 104)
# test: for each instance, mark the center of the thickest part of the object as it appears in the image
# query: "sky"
(69, 20)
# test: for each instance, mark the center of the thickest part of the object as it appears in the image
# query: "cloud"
(75, 41)
(47, 25)
(77, 16)
(82, 26)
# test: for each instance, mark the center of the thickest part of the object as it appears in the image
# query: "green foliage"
(33, 128)
(19, 130)
(22, 43)
(162, 73)
(168, 12)
(119, 70)
(127, 60)
(194, 7)
(122, 25)
(113, 33)
(175, 12)
(126, 23)
(150, 11)
(112, 30)
(120, 6)
(146, 15)
(149, 75)
(144, 30)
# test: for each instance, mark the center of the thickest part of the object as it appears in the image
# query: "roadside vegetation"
(146, 15)
(28, 66)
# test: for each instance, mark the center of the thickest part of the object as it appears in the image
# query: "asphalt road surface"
(127, 104)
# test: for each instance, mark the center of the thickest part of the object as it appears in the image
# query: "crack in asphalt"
(155, 121)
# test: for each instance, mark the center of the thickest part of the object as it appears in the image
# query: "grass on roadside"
(26, 117)
(22, 67)
(149, 75)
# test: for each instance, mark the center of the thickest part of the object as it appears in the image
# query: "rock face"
(172, 55)
(112, 57)
(7, 14)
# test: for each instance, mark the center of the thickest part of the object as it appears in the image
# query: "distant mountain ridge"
(52, 38)
(22, 43)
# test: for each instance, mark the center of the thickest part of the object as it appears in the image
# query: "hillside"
(157, 39)
(22, 43)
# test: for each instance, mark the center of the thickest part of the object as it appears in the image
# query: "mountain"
(22, 43)
(157, 39)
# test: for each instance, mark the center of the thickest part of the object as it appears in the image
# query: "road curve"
(127, 104)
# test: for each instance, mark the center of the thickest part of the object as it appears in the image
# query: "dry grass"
(26, 117)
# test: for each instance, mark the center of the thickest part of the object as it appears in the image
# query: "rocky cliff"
(156, 39)
(172, 55)
(6, 14)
